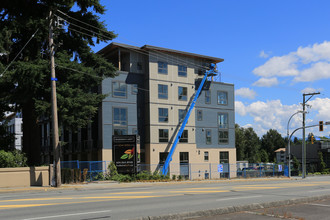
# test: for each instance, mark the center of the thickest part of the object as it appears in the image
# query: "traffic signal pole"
(303, 161)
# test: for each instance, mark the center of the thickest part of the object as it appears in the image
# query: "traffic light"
(320, 125)
(312, 139)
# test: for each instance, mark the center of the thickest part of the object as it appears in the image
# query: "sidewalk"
(114, 184)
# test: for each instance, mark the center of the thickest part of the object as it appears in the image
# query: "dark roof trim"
(161, 49)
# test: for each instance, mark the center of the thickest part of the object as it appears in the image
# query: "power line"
(20, 52)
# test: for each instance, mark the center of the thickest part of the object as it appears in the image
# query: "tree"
(239, 142)
(26, 83)
(252, 146)
(247, 144)
(271, 141)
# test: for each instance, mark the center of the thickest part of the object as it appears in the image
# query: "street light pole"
(303, 156)
(288, 151)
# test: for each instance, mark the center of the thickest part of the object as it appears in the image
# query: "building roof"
(279, 150)
(146, 48)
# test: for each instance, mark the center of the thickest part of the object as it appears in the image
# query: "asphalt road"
(135, 200)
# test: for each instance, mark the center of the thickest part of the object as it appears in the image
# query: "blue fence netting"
(94, 168)
(189, 170)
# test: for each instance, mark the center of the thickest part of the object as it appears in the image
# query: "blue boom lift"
(210, 72)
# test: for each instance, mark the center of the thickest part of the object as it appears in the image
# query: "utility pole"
(56, 147)
(303, 156)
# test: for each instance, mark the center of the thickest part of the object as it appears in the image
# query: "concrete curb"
(233, 209)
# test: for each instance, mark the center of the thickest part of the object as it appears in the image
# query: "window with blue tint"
(120, 116)
(162, 114)
(162, 91)
(162, 67)
(119, 121)
(134, 89)
(119, 89)
(208, 134)
(182, 70)
(207, 97)
(223, 136)
(163, 135)
(223, 120)
(222, 98)
(119, 131)
(182, 93)
(182, 114)
(199, 115)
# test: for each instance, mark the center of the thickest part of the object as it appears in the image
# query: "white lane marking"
(244, 197)
(319, 190)
(318, 204)
(59, 216)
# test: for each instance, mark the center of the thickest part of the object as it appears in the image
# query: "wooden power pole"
(56, 147)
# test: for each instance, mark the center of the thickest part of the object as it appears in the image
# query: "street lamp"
(288, 150)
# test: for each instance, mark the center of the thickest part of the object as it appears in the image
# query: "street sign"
(220, 168)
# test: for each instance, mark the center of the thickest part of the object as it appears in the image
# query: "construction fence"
(189, 171)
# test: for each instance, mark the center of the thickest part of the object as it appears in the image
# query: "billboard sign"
(125, 149)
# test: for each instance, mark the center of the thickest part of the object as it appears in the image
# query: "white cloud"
(311, 90)
(266, 82)
(278, 66)
(246, 93)
(307, 64)
(317, 71)
(240, 108)
(274, 115)
(263, 54)
(314, 53)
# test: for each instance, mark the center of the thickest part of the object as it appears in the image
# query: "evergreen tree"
(26, 83)
(271, 141)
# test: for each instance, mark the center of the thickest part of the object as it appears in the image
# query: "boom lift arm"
(208, 73)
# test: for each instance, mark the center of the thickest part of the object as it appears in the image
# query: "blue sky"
(273, 51)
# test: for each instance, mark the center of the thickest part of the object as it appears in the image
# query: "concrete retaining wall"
(24, 176)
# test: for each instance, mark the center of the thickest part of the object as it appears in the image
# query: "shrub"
(122, 178)
(12, 159)
(180, 177)
(173, 177)
(112, 169)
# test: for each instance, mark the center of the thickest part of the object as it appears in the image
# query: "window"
(119, 89)
(207, 97)
(182, 114)
(206, 156)
(119, 121)
(182, 71)
(222, 98)
(182, 92)
(199, 115)
(134, 89)
(162, 67)
(223, 137)
(163, 135)
(208, 134)
(184, 157)
(162, 91)
(162, 157)
(223, 128)
(119, 131)
(184, 137)
(162, 114)
(224, 157)
(134, 131)
(222, 120)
